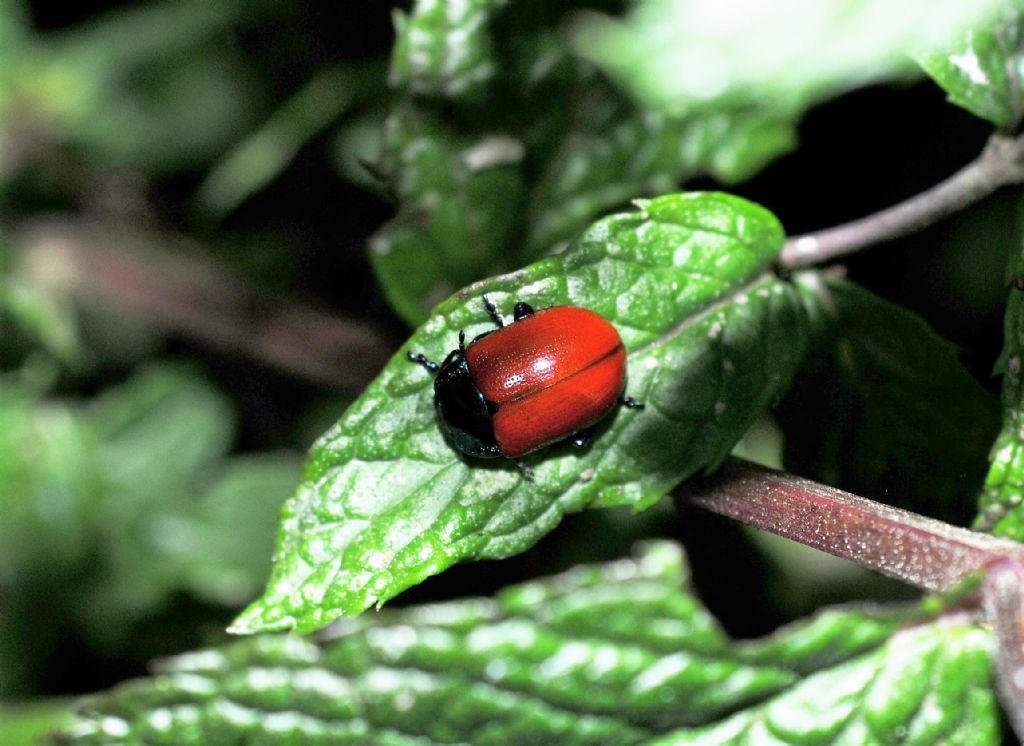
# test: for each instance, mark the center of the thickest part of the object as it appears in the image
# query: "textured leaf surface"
(488, 174)
(897, 416)
(1002, 499)
(927, 685)
(604, 654)
(984, 73)
(712, 338)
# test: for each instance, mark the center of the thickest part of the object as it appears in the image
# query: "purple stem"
(920, 551)
(1001, 163)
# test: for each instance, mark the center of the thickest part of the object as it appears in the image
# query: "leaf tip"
(641, 205)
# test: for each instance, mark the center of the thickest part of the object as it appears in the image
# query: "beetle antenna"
(420, 358)
(630, 403)
(493, 312)
(462, 341)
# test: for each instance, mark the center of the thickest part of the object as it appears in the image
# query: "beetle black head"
(462, 409)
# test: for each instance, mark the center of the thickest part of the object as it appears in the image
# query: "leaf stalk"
(1001, 163)
(917, 550)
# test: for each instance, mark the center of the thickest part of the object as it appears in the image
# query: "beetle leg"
(525, 469)
(582, 438)
(522, 310)
(419, 357)
(630, 403)
(493, 312)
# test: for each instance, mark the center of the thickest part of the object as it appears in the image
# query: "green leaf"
(927, 685)
(43, 314)
(50, 486)
(160, 429)
(983, 72)
(712, 336)
(444, 48)
(544, 173)
(883, 407)
(176, 513)
(220, 544)
(1001, 504)
(681, 56)
(605, 654)
(159, 88)
(459, 201)
(24, 723)
(261, 157)
(826, 639)
(618, 151)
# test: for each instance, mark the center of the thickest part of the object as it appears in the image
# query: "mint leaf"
(42, 314)
(606, 654)
(712, 337)
(459, 201)
(24, 723)
(983, 73)
(109, 509)
(618, 151)
(897, 416)
(681, 56)
(47, 501)
(1000, 506)
(926, 685)
(488, 174)
(444, 48)
(825, 639)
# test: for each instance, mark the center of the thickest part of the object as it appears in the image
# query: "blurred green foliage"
(308, 146)
(109, 507)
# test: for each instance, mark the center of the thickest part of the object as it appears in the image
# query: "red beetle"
(550, 375)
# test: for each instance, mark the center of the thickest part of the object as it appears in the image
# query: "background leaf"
(444, 48)
(23, 724)
(983, 73)
(459, 199)
(926, 685)
(712, 338)
(897, 416)
(484, 168)
(137, 487)
(677, 55)
(604, 654)
(1000, 505)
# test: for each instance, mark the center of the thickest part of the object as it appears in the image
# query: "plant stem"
(133, 271)
(920, 551)
(1004, 607)
(1000, 163)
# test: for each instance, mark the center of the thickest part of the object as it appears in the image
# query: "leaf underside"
(897, 415)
